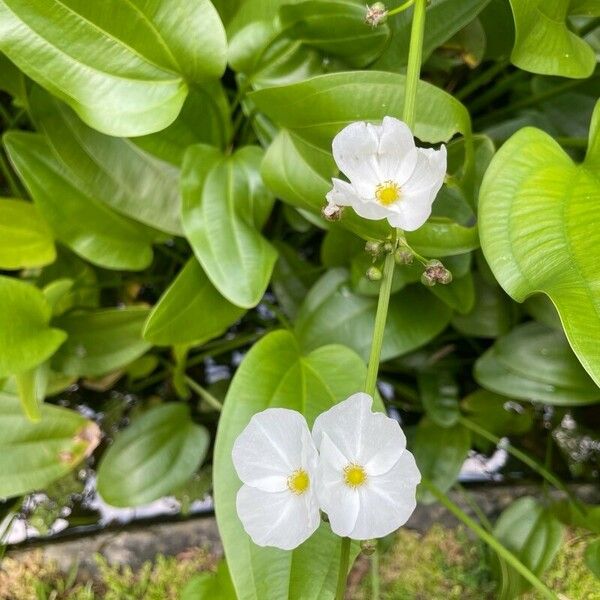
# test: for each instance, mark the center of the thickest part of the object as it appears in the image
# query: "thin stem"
(589, 27)
(375, 586)
(415, 55)
(203, 393)
(490, 540)
(520, 455)
(380, 318)
(482, 79)
(343, 570)
(13, 186)
(533, 100)
(572, 142)
(499, 88)
(400, 8)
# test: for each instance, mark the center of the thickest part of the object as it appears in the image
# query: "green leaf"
(25, 239)
(331, 313)
(534, 362)
(12, 80)
(293, 276)
(101, 341)
(79, 220)
(544, 43)
(191, 311)
(538, 212)
(592, 557)
(124, 67)
(113, 170)
(493, 313)
(156, 454)
(317, 109)
(26, 338)
(533, 535)
(32, 386)
(204, 119)
(276, 373)
(210, 586)
(34, 454)
(225, 204)
(444, 19)
(439, 394)
(311, 23)
(440, 453)
(497, 414)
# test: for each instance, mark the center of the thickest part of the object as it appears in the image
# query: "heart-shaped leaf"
(225, 204)
(155, 455)
(124, 67)
(544, 44)
(535, 362)
(538, 224)
(276, 373)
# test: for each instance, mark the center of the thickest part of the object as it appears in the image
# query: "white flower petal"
(355, 151)
(281, 519)
(397, 153)
(340, 502)
(271, 447)
(429, 172)
(343, 424)
(413, 210)
(343, 194)
(383, 443)
(388, 500)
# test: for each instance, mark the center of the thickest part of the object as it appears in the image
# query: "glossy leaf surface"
(124, 67)
(157, 453)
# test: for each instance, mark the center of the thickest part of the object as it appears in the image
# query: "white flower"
(276, 459)
(367, 479)
(389, 176)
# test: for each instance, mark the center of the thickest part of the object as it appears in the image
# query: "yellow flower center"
(298, 481)
(354, 475)
(387, 193)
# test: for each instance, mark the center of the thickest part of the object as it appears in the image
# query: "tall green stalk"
(413, 74)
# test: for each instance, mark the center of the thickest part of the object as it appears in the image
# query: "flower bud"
(373, 274)
(403, 256)
(368, 547)
(376, 14)
(373, 248)
(332, 212)
(435, 272)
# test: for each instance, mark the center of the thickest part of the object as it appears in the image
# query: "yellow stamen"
(354, 475)
(298, 481)
(387, 193)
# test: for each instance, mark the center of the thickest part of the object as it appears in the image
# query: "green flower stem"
(6, 171)
(533, 464)
(532, 100)
(413, 74)
(415, 56)
(203, 393)
(343, 571)
(490, 540)
(482, 79)
(401, 8)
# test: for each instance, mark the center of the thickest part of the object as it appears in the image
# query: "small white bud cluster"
(376, 14)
